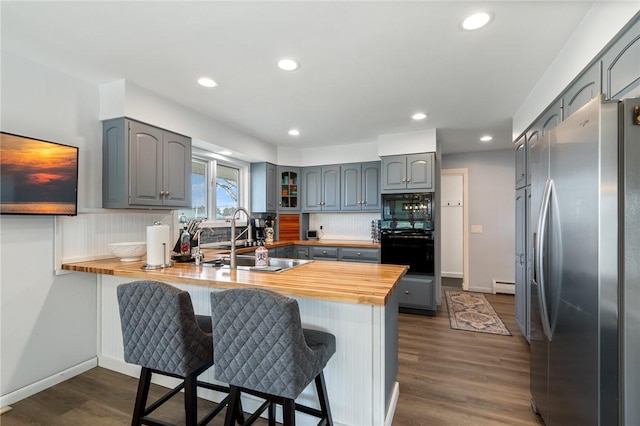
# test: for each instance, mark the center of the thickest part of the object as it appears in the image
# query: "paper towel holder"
(166, 264)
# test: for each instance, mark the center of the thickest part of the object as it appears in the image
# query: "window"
(205, 199)
(227, 185)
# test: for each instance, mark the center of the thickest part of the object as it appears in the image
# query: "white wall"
(47, 322)
(491, 204)
(126, 99)
(338, 154)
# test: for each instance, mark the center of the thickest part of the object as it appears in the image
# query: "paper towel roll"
(157, 253)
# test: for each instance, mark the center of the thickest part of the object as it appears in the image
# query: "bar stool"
(261, 349)
(162, 334)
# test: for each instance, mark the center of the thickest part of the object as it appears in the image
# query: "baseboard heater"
(507, 287)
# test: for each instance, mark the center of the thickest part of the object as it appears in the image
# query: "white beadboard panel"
(343, 226)
(451, 248)
(354, 377)
(86, 235)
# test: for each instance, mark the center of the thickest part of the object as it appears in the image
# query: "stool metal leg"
(272, 414)
(289, 412)
(141, 397)
(232, 408)
(322, 396)
(190, 399)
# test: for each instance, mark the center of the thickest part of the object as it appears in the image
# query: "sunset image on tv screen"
(37, 177)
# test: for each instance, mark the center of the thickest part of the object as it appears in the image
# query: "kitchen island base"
(360, 377)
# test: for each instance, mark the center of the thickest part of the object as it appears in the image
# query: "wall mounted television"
(37, 177)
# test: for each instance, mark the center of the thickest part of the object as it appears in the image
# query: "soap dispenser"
(262, 256)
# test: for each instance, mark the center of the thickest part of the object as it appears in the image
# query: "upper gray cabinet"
(360, 186)
(581, 91)
(621, 65)
(144, 166)
(321, 188)
(521, 162)
(288, 185)
(263, 187)
(402, 173)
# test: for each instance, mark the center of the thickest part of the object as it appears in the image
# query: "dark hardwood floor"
(447, 377)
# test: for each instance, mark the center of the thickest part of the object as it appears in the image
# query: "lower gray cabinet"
(301, 252)
(417, 292)
(285, 252)
(323, 253)
(352, 254)
(346, 254)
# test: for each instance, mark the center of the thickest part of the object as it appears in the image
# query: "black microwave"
(407, 207)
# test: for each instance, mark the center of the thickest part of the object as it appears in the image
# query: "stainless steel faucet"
(233, 261)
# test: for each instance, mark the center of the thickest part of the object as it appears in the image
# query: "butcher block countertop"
(350, 282)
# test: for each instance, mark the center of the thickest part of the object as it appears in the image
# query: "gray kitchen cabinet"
(323, 253)
(417, 293)
(301, 252)
(288, 187)
(360, 183)
(621, 66)
(364, 255)
(144, 166)
(263, 187)
(401, 173)
(286, 252)
(321, 188)
(521, 162)
(582, 90)
(550, 119)
(521, 261)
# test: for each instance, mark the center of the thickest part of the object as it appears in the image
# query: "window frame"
(213, 160)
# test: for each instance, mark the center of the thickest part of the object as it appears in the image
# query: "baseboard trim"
(451, 275)
(395, 394)
(47, 382)
(480, 289)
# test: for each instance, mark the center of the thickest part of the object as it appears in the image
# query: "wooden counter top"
(350, 282)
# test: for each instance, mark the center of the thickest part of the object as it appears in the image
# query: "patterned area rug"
(473, 312)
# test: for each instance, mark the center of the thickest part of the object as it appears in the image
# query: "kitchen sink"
(247, 262)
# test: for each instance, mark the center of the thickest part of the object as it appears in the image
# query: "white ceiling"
(366, 66)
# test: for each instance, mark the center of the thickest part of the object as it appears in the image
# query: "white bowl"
(128, 252)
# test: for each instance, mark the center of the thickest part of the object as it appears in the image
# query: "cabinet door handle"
(166, 193)
(406, 292)
(324, 252)
(161, 193)
(358, 254)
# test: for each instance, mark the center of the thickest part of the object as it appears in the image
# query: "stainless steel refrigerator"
(585, 289)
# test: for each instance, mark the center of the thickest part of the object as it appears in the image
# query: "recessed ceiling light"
(486, 138)
(226, 152)
(419, 116)
(294, 132)
(207, 82)
(476, 21)
(288, 64)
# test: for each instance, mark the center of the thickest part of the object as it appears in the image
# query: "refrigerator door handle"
(539, 256)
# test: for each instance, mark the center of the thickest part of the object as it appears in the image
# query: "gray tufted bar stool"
(162, 334)
(261, 349)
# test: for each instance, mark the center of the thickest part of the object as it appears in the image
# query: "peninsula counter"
(356, 302)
